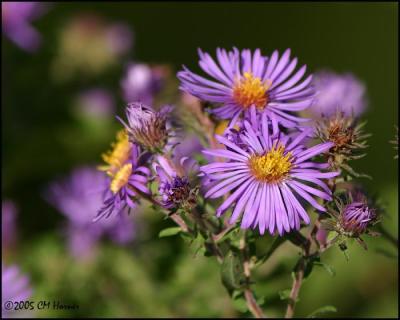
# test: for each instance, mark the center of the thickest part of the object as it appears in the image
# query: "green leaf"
(322, 310)
(239, 303)
(232, 272)
(168, 232)
(261, 301)
(208, 208)
(327, 267)
(197, 245)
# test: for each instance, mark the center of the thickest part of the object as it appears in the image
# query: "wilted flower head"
(267, 178)
(128, 176)
(16, 20)
(14, 287)
(88, 46)
(242, 81)
(338, 93)
(175, 185)
(79, 197)
(347, 136)
(96, 102)
(142, 82)
(8, 224)
(147, 127)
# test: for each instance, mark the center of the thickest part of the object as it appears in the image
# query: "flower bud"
(356, 217)
(347, 137)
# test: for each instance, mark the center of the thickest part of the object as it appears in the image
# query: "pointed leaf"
(168, 232)
(232, 272)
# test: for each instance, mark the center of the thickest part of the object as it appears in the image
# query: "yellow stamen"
(272, 167)
(121, 178)
(250, 90)
(118, 155)
(221, 127)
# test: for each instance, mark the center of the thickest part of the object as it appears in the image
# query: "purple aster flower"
(16, 22)
(245, 81)
(96, 102)
(268, 179)
(175, 185)
(147, 127)
(356, 217)
(338, 92)
(142, 82)
(79, 197)
(128, 176)
(14, 287)
(8, 224)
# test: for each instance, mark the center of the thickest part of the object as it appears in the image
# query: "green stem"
(294, 292)
(252, 304)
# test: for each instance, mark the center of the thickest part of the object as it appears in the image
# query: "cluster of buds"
(178, 193)
(351, 219)
(176, 182)
(147, 127)
(348, 138)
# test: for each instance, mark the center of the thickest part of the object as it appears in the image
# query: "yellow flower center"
(251, 90)
(118, 155)
(121, 178)
(272, 167)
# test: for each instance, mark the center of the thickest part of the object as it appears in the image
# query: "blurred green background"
(42, 139)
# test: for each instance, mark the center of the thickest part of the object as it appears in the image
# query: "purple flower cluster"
(263, 166)
(265, 169)
(148, 138)
(79, 197)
